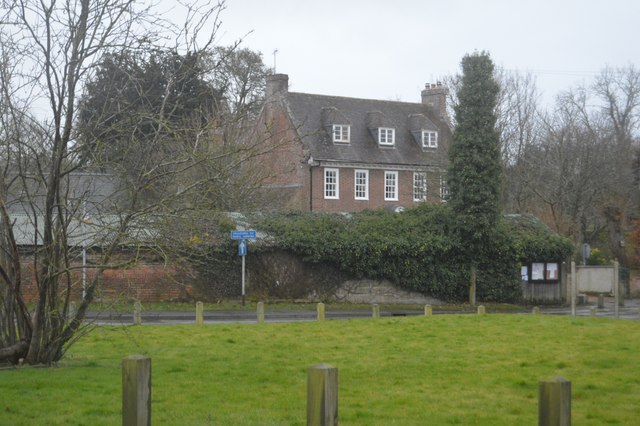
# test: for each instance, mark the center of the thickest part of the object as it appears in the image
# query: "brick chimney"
(435, 96)
(277, 84)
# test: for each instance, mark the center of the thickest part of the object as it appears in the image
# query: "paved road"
(630, 311)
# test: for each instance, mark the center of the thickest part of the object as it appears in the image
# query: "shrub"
(414, 250)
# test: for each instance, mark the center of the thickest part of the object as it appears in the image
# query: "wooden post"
(482, 310)
(322, 395)
(260, 312)
(137, 313)
(320, 309)
(375, 310)
(73, 309)
(616, 289)
(554, 402)
(536, 310)
(574, 285)
(592, 311)
(199, 313)
(136, 391)
(472, 285)
(428, 310)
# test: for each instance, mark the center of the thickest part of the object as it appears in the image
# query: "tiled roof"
(363, 115)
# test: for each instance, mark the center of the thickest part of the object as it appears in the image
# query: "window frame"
(339, 130)
(364, 187)
(429, 142)
(444, 189)
(331, 187)
(389, 136)
(420, 188)
(390, 195)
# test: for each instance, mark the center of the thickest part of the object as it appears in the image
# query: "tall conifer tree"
(475, 171)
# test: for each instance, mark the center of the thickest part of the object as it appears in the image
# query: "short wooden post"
(428, 310)
(616, 289)
(199, 313)
(137, 313)
(536, 310)
(136, 390)
(482, 310)
(322, 395)
(554, 402)
(375, 310)
(574, 288)
(592, 311)
(320, 309)
(260, 312)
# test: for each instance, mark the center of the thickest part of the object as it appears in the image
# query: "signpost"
(243, 235)
(242, 249)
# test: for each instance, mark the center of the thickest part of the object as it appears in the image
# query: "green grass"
(441, 370)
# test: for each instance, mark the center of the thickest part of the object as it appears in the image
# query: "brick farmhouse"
(340, 154)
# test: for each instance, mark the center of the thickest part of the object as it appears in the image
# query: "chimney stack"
(277, 84)
(435, 96)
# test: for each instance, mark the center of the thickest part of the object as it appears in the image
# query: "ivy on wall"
(414, 249)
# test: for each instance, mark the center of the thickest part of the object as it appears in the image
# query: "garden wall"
(147, 282)
(272, 275)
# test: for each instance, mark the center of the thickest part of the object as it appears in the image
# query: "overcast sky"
(388, 49)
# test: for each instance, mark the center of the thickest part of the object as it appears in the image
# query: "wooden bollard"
(137, 313)
(428, 310)
(136, 391)
(320, 309)
(536, 310)
(260, 312)
(199, 313)
(554, 402)
(482, 310)
(322, 395)
(375, 310)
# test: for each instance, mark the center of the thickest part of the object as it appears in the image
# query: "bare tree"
(579, 170)
(55, 47)
(619, 92)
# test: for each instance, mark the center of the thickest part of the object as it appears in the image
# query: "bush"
(414, 250)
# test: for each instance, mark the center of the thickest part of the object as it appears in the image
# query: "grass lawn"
(440, 370)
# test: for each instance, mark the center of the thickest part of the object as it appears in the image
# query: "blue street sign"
(243, 235)
(242, 248)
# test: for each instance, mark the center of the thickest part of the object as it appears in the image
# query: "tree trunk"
(614, 218)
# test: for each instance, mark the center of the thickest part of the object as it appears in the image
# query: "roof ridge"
(354, 98)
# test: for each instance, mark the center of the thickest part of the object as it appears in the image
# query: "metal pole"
(84, 249)
(84, 270)
(243, 280)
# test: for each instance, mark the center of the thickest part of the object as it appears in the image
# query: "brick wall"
(282, 163)
(147, 282)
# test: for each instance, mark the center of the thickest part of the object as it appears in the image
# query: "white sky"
(388, 49)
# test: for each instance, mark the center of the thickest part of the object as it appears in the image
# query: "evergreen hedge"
(415, 250)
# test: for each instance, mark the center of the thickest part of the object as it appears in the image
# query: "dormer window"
(341, 133)
(429, 139)
(386, 136)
